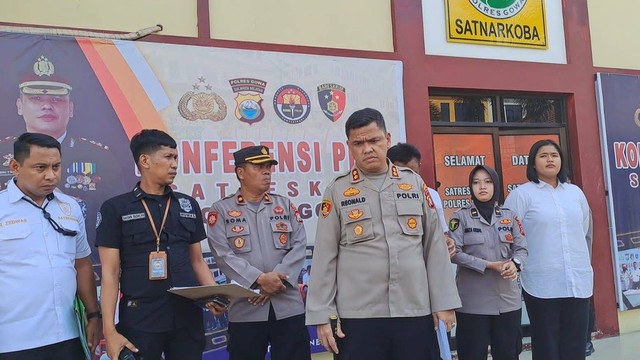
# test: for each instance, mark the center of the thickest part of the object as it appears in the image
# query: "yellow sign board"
(514, 23)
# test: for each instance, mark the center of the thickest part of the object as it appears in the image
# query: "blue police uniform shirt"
(123, 224)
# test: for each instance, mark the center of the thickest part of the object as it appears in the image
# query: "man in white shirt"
(44, 260)
(407, 155)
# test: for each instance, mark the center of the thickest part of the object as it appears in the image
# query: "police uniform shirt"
(123, 224)
(37, 270)
(379, 252)
(483, 291)
(247, 242)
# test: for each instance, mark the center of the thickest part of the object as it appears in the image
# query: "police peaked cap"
(253, 155)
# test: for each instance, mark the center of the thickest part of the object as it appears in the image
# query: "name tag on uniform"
(133, 217)
(188, 215)
(157, 265)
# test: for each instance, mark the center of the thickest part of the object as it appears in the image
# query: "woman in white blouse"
(557, 278)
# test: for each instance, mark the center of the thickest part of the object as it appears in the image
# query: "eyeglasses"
(54, 224)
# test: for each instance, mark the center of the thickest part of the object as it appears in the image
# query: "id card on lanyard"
(157, 259)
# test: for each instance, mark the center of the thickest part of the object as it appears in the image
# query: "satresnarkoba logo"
(292, 104)
(499, 9)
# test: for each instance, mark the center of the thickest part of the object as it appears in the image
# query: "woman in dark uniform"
(490, 248)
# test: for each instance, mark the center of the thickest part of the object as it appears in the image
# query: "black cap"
(253, 155)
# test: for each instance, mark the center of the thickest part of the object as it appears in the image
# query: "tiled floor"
(624, 347)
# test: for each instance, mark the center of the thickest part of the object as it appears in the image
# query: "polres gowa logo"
(499, 9)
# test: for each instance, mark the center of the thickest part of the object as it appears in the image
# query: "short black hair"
(364, 117)
(22, 146)
(403, 152)
(149, 141)
(532, 174)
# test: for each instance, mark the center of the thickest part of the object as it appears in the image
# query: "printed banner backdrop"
(455, 156)
(213, 101)
(619, 113)
(516, 23)
(514, 154)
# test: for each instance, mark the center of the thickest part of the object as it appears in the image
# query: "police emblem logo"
(292, 104)
(203, 105)
(351, 191)
(212, 218)
(358, 230)
(412, 223)
(234, 213)
(185, 204)
(508, 238)
(283, 238)
(325, 208)
(333, 100)
(238, 242)
(248, 99)
(65, 208)
(499, 9)
(505, 221)
(427, 196)
(453, 224)
(282, 226)
(355, 214)
(237, 229)
(405, 186)
(278, 210)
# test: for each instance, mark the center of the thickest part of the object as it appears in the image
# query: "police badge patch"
(453, 224)
(248, 100)
(333, 100)
(185, 204)
(292, 104)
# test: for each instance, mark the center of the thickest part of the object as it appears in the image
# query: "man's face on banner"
(47, 114)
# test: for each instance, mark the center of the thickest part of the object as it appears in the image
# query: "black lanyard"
(54, 224)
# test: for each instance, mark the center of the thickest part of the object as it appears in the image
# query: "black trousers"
(591, 327)
(70, 349)
(475, 333)
(411, 338)
(558, 326)
(186, 343)
(289, 339)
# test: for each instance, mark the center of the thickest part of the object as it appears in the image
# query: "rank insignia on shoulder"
(520, 227)
(325, 208)
(355, 175)
(394, 171)
(453, 224)
(427, 196)
(212, 218)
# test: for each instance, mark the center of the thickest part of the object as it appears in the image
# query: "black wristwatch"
(518, 264)
(95, 314)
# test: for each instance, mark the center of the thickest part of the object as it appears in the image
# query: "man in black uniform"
(149, 241)
(91, 171)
